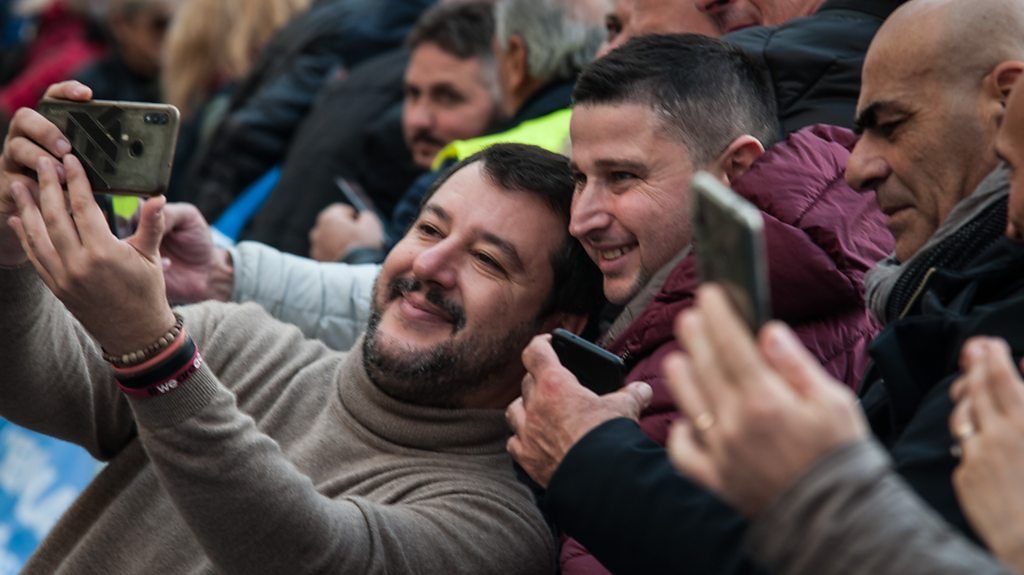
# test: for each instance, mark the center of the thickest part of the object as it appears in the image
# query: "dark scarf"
(975, 223)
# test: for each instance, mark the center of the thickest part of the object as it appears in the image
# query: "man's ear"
(567, 321)
(1001, 80)
(518, 68)
(738, 157)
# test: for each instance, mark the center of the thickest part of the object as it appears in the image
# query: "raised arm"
(329, 302)
(55, 381)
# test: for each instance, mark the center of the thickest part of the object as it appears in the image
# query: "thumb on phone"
(631, 400)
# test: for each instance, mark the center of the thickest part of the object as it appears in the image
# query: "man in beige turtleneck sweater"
(264, 452)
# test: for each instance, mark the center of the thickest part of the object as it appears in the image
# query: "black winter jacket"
(354, 130)
(814, 63)
(270, 103)
(617, 493)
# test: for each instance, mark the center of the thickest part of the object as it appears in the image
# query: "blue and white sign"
(39, 478)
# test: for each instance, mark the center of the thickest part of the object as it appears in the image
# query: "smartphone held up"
(729, 239)
(127, 148)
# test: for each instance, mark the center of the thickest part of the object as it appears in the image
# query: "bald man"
(935, 86)
(761, 462)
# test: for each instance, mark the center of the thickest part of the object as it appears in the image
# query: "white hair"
(561, 36)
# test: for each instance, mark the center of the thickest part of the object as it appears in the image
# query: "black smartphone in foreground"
(729, 239)
(597, 369)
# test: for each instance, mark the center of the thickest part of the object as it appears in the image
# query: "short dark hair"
(463, 29)
(577, 287)
(705, 91)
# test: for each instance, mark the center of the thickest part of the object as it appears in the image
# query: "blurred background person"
(131, 69)
(387, 120)
(211, 46)
(733, 15)
(813, 50)
(629, 18)
(540, 46)
(268, 105)
(65, 37)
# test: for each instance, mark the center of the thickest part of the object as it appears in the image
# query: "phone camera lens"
(136, 148)
(155, 118)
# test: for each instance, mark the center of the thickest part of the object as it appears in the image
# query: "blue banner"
(39, 478)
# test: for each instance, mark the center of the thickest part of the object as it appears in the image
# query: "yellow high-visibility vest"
(550, 132)
(126, 206)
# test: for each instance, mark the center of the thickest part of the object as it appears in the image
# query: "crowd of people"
(327, 349)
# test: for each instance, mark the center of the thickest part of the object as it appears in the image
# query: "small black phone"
(597, 369)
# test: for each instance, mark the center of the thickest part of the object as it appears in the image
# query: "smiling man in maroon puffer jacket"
(646, 117)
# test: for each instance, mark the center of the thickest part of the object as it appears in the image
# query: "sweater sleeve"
(617, 493)
(253, 511)
(852, 514)
(329, 302)
(55, 381)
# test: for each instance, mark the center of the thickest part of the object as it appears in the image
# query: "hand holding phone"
(729, 238)
(597, 369)
(125, 147)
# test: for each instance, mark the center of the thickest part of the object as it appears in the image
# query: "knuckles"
(22, 116)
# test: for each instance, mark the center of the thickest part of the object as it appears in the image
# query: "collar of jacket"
(915, 353)
(894, 288)
(551, 98)
(878, 8)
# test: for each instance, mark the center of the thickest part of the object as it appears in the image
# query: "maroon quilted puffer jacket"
(822, 237)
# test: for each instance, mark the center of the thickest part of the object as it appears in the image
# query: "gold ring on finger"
(704, 422)
(965, 431)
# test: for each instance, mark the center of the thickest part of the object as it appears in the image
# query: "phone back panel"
(729, 239)
(598, 370)
(126, 147)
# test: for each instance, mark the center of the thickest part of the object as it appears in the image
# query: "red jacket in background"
(822, 237)
(62, 47)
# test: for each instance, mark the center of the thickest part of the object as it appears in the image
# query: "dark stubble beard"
(444, 374)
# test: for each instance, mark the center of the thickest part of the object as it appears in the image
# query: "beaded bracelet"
(144, 354)
(156, 385)
(156, 360)
(159, 368)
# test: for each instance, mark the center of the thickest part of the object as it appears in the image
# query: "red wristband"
(168, 385)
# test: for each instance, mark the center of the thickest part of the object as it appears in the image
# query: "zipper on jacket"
(918, 291)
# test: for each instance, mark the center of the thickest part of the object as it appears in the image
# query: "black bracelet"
(164, 369)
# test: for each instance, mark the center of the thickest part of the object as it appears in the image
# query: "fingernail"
(63, 147)
(976, 350)
(644, 389)
(691, 322)
(779, 340)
